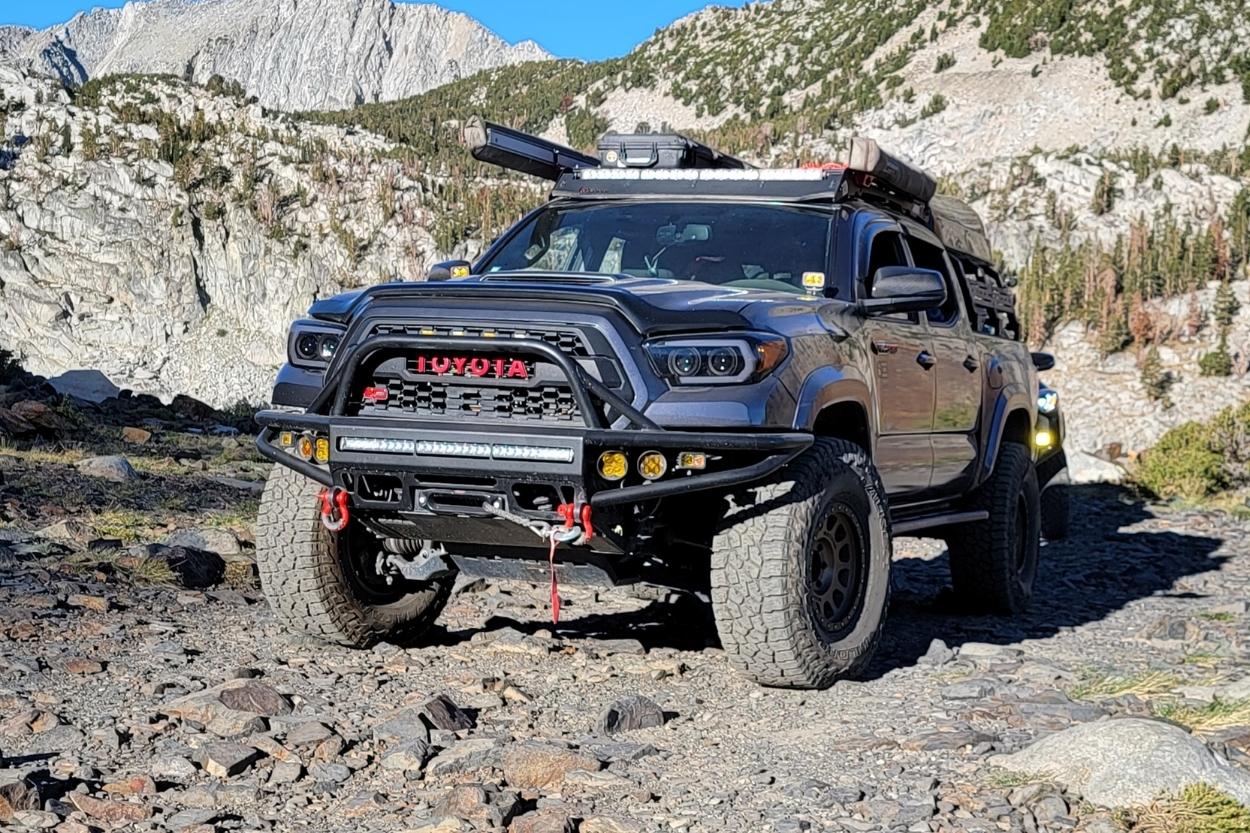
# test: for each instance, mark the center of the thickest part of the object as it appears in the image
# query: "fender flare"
(1010, 399)
(828, 386)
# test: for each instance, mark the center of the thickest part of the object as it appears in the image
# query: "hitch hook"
(335, 515)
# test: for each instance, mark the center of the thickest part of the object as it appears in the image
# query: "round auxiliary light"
(307, 346)
(304, 448)
(613, 465)
(652, 465)
(1043, 439)
(328, 345)
(684, 361)
(724, 361)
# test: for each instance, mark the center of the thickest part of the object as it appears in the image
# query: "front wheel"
(326, 585)
(801, 571)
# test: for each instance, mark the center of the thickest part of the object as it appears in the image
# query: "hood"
(651, 305)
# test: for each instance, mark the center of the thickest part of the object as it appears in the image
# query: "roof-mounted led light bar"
(706, 175)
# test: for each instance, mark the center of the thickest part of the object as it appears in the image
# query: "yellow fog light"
(322, 450)
(304, 447)
(286, 439)
(460, 271)
(652, 465)
(691, 460)
(1043, 439)
(613, 465)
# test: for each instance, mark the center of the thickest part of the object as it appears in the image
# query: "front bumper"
(766, 453)
(452, 469)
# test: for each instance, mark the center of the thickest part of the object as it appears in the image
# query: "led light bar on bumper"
(445, 448)
(717, 361)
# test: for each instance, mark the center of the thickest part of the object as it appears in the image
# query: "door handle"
(971, 364)
(926, 360)
(886, 347)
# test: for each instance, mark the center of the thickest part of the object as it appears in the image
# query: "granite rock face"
(294, 55)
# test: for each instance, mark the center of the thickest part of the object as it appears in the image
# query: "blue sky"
(567, 28)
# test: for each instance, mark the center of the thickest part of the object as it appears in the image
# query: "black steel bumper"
(491, 454)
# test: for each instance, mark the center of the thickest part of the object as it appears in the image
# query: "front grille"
(569, 342)
(544, 402)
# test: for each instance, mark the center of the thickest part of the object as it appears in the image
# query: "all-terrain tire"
(994, 562)
(305, 572)
(1056, 512)
(767, 575)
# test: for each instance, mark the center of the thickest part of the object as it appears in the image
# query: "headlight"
(313, 345)
(717, 361)
(1048, 401)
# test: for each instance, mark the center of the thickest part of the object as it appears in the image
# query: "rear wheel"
(994, 562)
(327, 585)
(801, 572)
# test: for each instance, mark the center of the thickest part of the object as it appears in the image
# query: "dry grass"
(1198, 808)
(1210, 717)
(125, 525)
(1143, 684)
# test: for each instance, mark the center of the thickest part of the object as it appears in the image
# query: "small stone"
(547, 820)
(1049, 809)
(18, 796)
(630, 714)
(173, 768)
(327, 773)
(255, 697)
(938, 654)
(225, 760)
(135, 436)
(967, 690)
(194, 569)
(84, 667)
(308, 734)
(439, 712)
(465, 756)
(112, 468)
(97, 603)
(132, 786)
(36, 819)
(484, 806)
(407, 756)
(190, 819)
(609, 824)
(110, 811)
(286, 772)
(402, 725)
(535, 765)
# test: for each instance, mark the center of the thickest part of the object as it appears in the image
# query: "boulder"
(1127, 762)
(537, 765)
(208, 539)
(193, 568)
(112, 468)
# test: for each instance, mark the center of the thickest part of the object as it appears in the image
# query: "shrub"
(1157, 381)
(944, 62)
(1196, 460)
(1216, 363)
(10, 366)
(1182, 464)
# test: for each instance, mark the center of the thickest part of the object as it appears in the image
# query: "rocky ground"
(145, 685)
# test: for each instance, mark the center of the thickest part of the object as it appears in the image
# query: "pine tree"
(1226, 306)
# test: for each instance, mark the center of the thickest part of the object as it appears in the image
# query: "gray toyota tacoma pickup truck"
(680, 372)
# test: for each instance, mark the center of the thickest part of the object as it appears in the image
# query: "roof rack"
(517, 151)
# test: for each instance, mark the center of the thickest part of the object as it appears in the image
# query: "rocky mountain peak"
(325, 54)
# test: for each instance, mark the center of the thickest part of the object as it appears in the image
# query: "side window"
(887, 250)
(932, 257)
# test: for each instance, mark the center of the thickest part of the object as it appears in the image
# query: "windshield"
(744, 245)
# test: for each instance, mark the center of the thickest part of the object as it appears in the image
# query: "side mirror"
(1043, 361)
(904, 289)
(449, 269)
